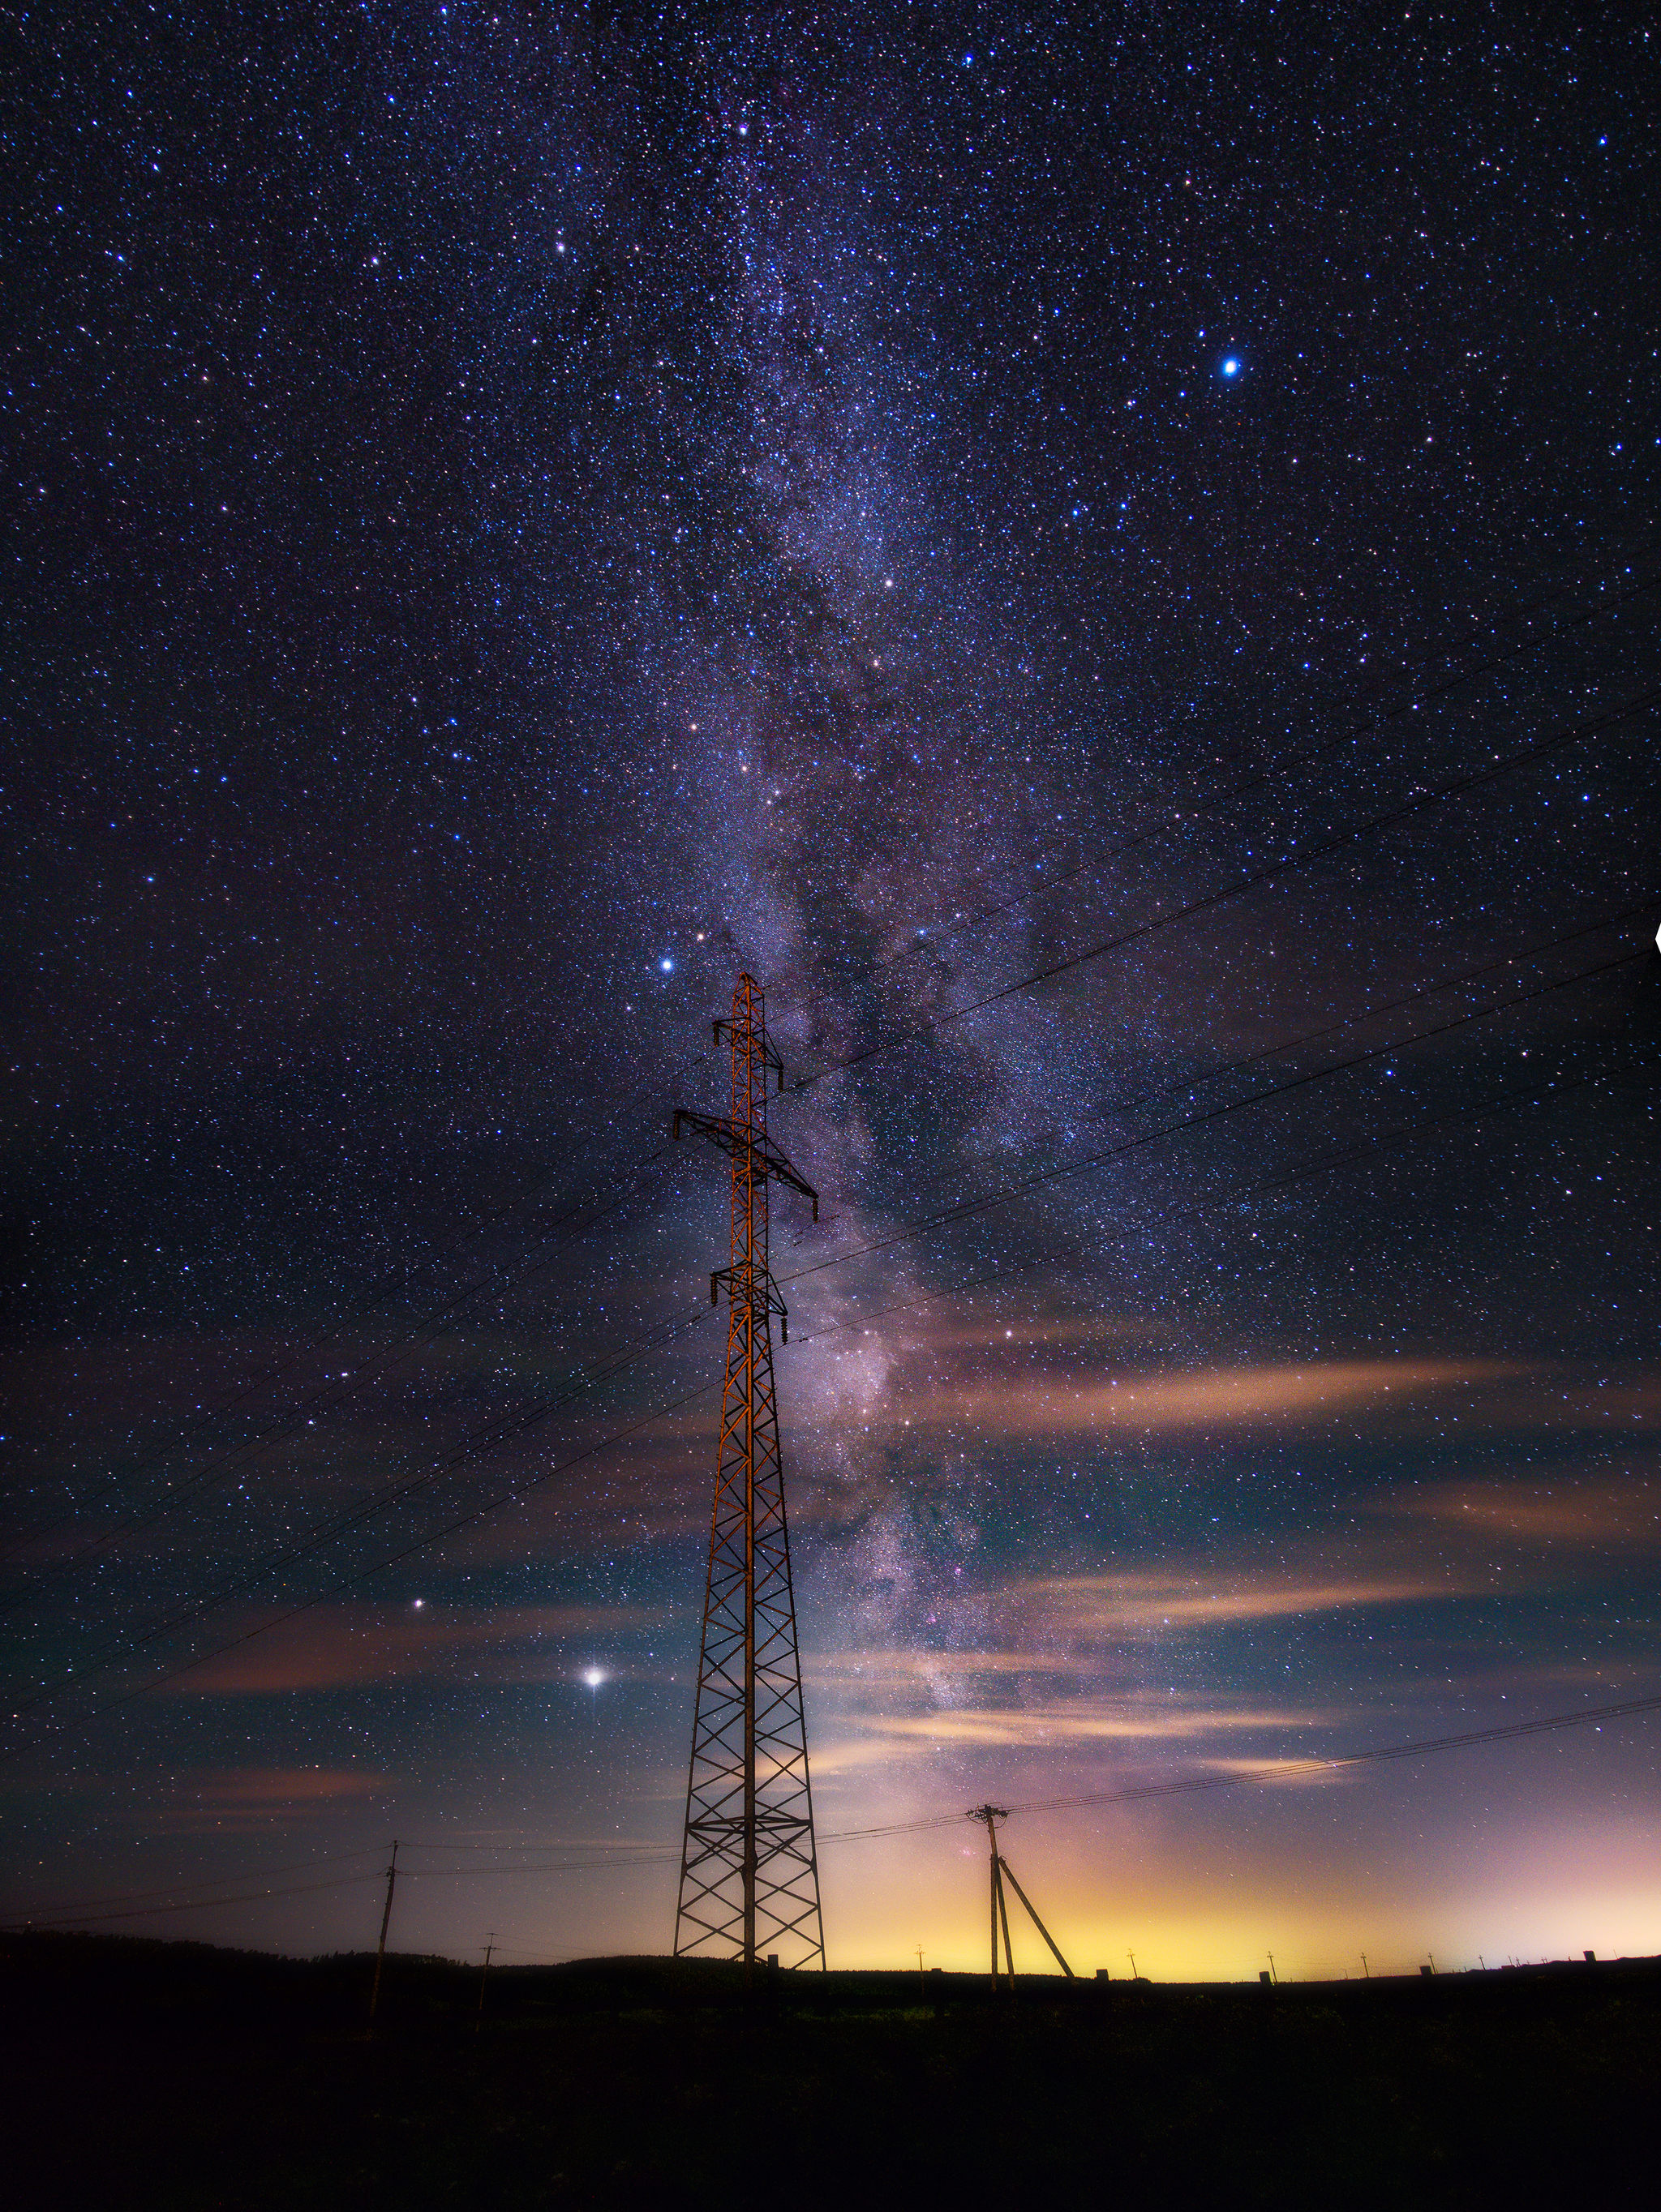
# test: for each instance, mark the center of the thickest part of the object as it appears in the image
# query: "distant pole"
(478, 2017)
(380, 1952)
(1366, 1969)
(1273, 1976)
(1131, 1955)
(920, 1965)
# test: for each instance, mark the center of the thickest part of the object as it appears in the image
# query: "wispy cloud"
(1205, 1398)
(1132, 1604)
(1626, 1514)
(226, 1787)
(1080, 1721)
(904, 1669)
(237, 1799)
(337, 1647)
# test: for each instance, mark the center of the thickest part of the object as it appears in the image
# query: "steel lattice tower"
(749, 1874)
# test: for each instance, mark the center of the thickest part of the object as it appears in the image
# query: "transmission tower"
(749, 1874)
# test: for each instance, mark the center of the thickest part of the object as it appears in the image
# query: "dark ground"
(149, 2073)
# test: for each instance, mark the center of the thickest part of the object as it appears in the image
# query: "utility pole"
(1001, 1867)
(749, 1870)
(1131, 1955)
(1366, 1969)
(992, 1814)
(478, 2017)
(381, 1953)
(1273, 1976)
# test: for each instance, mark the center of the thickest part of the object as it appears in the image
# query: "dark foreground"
(145, 2074)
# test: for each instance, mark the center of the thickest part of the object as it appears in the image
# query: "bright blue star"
(1231, 367)
(668, 966)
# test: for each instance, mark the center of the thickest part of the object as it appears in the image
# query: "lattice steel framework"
(749, 1874)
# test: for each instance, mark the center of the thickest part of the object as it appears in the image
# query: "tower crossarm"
(764, 1294)
(762, 1151)
(728, 1031)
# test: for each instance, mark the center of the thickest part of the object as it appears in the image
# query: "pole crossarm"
(761, 1155)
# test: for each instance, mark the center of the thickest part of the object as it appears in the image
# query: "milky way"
(1108, 560)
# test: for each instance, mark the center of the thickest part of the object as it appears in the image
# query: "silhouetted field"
(145, 2074)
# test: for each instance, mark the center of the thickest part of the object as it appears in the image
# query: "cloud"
(1080, 1721)
(347, 1646)
(1208, 1399)
(1133, 1604)
(236, 1786)
(1554, 1511)
(236, 1799)
(901, 1668)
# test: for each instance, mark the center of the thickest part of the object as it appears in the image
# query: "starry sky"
(1106, 556)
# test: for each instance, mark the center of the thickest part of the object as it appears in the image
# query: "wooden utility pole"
(1001, 1867)
(992, 1814)
(478, 2017)
(381, 1953)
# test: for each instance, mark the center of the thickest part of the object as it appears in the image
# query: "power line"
(1423, 695)
(1186, 1785)
(470, 1447)
(1294, 1771)
(202, 1905)
(1408, 1132)
(462, 1521)
(332, 1392)
(483, 1440)
(138, 1896)
(1278, 1050)
(206, 1417)
(327, 1394)
(1047, 1175)
(1575, 734)
(1499, 1102)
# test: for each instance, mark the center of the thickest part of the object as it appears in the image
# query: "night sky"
(1108, 558)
